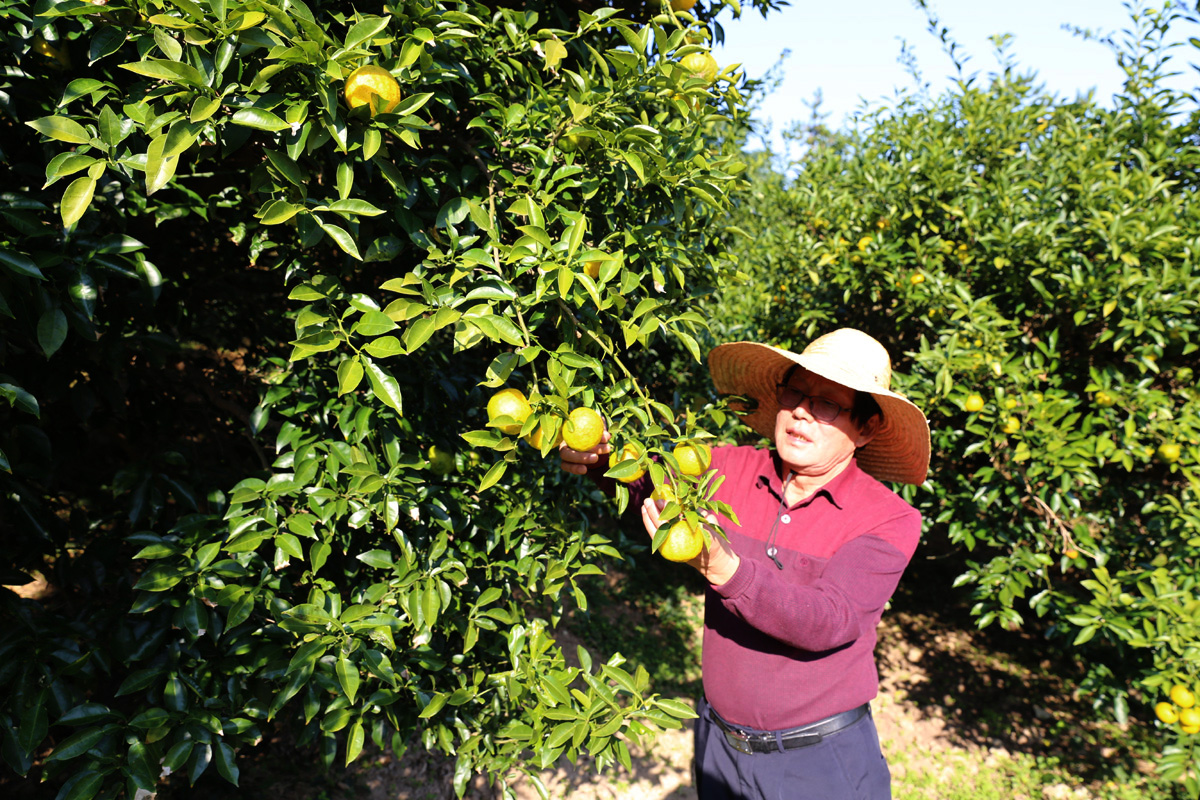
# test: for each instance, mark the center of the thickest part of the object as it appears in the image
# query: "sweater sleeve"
(834, 609)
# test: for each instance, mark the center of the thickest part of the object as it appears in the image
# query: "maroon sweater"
(784, 648)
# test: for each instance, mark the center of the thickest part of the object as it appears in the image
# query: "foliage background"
(237, 316)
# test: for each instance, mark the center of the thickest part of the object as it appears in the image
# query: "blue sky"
(849, 50)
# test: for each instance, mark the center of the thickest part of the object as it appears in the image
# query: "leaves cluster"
(426, 257)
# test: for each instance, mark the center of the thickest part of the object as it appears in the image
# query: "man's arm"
(835, 609)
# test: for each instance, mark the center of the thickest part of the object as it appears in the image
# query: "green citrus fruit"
(693, 458)
(584, 429)
(1182, 696)
(629, 451)
(684, 542)
(1169, 452)
(372, 86)
(700, 66)
(440, 461)
(509, 403)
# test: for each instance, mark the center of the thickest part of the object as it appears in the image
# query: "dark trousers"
(847, 765)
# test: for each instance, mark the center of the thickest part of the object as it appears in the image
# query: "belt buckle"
(738, 741)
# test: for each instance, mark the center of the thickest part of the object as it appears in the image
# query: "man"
(796, 592)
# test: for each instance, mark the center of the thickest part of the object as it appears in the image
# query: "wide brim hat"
(900, 449)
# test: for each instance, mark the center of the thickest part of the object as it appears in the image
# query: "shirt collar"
(836, 491)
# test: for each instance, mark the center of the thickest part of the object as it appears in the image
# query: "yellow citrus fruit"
(584, 429)
(663, 493)
(440, 461)
(536, 436)
(509, 403)
(916, 278)
(1011, 425)
(693, 458)
(592, 268)
(1190, 717)
(1166, 713)
(629, 451)
(682, 5)
(1071, 553)
(974, 403)
(1169, 452)
(701, 66)
(684, 542)
(1105, 400)
(1182, 696)
(1191, 730)
(372, 86)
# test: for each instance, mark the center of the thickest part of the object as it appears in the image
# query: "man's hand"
(717, 563)
(579, 461)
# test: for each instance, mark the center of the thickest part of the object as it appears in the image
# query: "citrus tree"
(1031, 262)
(262, 266)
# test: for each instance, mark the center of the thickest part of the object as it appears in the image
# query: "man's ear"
(869, 430)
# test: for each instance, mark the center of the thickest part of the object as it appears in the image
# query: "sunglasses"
(822, 410)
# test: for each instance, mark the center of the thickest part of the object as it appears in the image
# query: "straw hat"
(900, 450)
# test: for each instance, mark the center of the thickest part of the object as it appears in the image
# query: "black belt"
(804, 736)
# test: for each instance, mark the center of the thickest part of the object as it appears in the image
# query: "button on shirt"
(784, 648)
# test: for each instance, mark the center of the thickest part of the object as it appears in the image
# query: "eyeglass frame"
(781, 388)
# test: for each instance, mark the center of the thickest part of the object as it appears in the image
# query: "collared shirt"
(784, 648)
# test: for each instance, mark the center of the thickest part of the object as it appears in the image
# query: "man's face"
(812, 448)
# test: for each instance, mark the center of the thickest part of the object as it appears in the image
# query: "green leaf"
(494, 474)
(349, 375)
(52, 331)
(348, 677)
(364, 29)
(226, 761)
(82, 786)
(279, 211)
(374, 323)
(355, 741)
(166, 70)
(341, 238)
(76, 200)
(384, 347)
(63, 129)
(160, 167)
(384, 386)
(258, 119)
(20, 264)
(77, 744)
(203, 108)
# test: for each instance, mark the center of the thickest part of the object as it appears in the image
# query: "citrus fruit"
(509, 403)
(1190, 717)
(592, 268)
(663, 493)
(629, 451)
(1071, 553)
(1104, 399)
(1169, 452)
(682, 5)
(916, 278)
(1182, 696)
(372, 86)
(440, 461)
(537, 434)
(1011, 425)
(693, 458)
(683, 543)
(974, 403)
(1166, 713)
(701, 66)
(584, 429)
(1191, 730)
